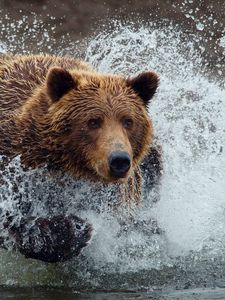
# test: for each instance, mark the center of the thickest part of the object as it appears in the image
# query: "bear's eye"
(95, 123)
(127, 123)
(66, 129)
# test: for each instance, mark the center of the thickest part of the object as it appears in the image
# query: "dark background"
(78, 19)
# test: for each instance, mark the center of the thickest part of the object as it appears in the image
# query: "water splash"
(188, 113)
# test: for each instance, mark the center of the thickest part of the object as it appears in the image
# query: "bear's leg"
(152, 170)
(53, 239)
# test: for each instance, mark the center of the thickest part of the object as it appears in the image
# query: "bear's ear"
(145, 85)
(59, 81)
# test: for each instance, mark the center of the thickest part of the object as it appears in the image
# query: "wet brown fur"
(46, 130)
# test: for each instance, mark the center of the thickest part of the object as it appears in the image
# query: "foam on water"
(188, 112)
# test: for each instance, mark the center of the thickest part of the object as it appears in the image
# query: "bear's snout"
(119, 164)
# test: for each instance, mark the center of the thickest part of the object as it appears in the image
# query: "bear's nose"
(119, 163)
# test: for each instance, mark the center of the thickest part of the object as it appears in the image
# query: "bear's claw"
(53, 239)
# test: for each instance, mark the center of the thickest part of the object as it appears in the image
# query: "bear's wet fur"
(60, 113)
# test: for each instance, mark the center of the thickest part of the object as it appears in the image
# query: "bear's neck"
(25, 127)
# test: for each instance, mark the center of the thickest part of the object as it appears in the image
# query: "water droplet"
(222, 41)
(200, 26)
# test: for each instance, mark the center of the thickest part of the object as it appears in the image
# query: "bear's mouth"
(118, 178)
(107, 177)
(115, 180)
(122, 177)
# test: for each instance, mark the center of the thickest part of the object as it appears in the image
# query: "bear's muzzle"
(119, 164)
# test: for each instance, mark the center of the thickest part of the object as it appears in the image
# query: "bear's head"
(99, 124)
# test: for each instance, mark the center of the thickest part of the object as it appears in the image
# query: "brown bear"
(60, 113)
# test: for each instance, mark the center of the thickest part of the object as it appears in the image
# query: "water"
(69, 294)
(188, 113)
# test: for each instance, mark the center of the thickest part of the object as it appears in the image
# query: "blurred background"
(74, 21)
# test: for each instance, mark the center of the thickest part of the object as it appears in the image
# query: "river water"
(187, 261)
